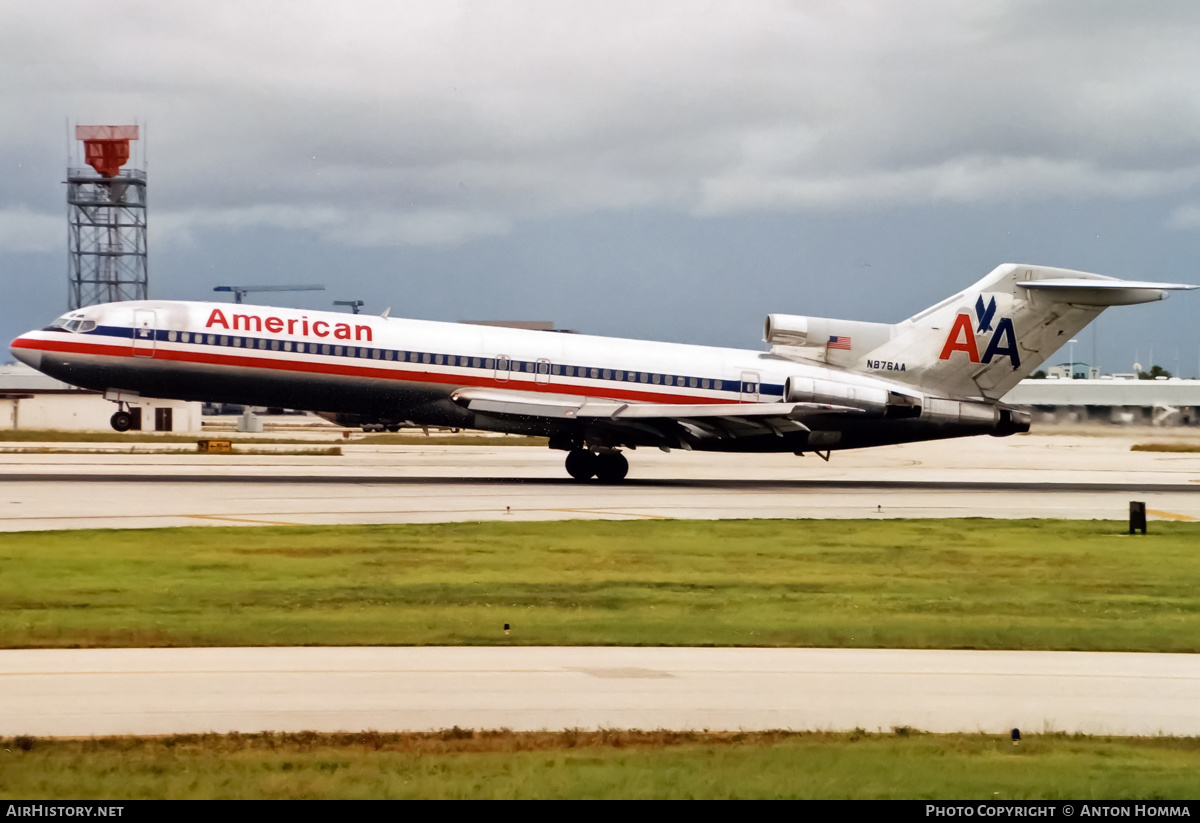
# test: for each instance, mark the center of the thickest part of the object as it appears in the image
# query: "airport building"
(1119, 399)
(31, 400)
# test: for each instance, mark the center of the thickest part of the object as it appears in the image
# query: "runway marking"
(1171, 515)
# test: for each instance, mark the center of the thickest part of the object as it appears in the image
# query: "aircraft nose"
(22, 350)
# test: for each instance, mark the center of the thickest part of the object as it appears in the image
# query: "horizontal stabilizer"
(1102, 292)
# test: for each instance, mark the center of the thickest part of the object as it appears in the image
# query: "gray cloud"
(618, 155)
(432, 122)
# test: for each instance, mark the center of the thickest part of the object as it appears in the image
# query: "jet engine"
(876, 400)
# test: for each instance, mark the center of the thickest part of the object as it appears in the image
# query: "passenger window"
(608, 374)
(556, 369)
(595, 373)
(437, 360)
(425, 357)
(475, 362)
(692, 382)
(224, 340)
(350, 350)
(337, 351)
(287, 345)
(325, 349)
(171, 336)
(187, 337)
(262, 344)
(704, 384)
(645, 378)
(212, 338)
(374, 354)
(389, 354)
(657, 378)
(274, 345)
(237, 342)
(489, 363)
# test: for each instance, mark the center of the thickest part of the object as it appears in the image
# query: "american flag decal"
(836, 342)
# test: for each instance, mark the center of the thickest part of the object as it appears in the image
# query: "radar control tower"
(106, 219)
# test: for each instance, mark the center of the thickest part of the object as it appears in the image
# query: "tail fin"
(982, 341)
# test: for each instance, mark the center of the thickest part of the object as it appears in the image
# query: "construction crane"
(240, 292)
(355, 305)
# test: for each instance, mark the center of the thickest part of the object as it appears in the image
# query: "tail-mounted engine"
(875, 400)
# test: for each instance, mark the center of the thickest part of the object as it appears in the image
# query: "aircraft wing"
(700, 420)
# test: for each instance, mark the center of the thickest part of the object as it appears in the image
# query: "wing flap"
(700, 420)
(533, 404)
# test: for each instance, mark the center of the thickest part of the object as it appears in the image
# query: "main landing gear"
(605, 466)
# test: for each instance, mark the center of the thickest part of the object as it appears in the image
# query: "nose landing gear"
(122, 421)
(605, 466)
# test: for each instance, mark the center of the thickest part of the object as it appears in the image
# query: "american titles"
(292, 325)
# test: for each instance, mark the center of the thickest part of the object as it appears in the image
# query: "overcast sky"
(671, 170)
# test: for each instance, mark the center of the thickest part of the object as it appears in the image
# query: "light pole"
(1072, 355)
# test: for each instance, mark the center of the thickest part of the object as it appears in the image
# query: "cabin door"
(749, 387)
(143, 332)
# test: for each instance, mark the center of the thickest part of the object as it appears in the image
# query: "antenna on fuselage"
(240, 292)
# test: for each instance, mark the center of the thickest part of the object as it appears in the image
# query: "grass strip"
(939, 584)
(1179, 448)
(386, 439)
(460, 763)
(334, 451)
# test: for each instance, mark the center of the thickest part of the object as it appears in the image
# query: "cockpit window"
(71, 322)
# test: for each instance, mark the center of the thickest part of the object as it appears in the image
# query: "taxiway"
(173, 691)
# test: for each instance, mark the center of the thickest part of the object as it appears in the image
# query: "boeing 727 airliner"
(824, 385)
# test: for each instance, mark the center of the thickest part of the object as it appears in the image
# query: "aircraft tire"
(611, 467)
(581, 464)
(122, 421)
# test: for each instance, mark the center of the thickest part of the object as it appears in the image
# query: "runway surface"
(157, 691)
(164, 691)
(1070, 476)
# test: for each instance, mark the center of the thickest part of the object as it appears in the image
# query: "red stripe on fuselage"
(123, 350)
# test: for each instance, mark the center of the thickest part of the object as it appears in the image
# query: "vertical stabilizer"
(982, 341)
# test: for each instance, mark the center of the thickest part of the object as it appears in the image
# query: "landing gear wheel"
(581, 464)
(611, 467)
(122, 421)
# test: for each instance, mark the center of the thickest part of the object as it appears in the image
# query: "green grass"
(463, 764)
(978, 584)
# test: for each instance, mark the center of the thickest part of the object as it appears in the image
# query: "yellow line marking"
(1171, 515)
(610, 511)
(242, 519)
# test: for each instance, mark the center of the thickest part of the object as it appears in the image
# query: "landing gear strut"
(605, 466)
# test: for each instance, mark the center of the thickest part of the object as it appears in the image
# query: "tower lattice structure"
(106, 220)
